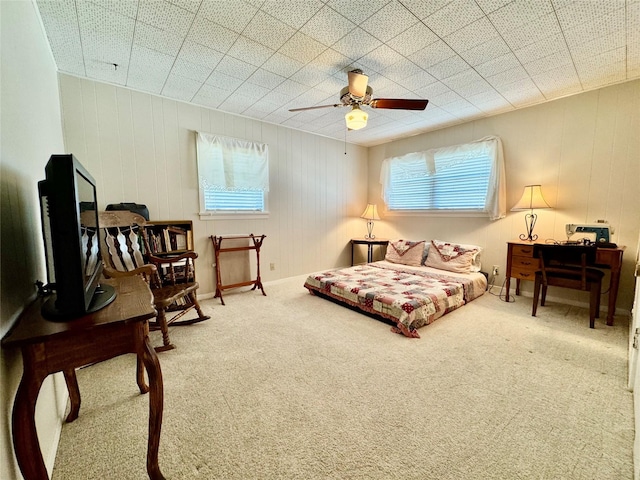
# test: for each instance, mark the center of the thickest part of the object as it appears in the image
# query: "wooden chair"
(567, 266)
(171, 279)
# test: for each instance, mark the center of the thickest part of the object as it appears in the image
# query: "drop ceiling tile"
(424, 8)
(308, 75)
(265, 79)
(277, 98)
(489, 101)
(558, 82)
(357, 10)
(107, 72)
(608, 25)
(489, 6)
(444, 98)
(521, 93)
(467, 83)
(192, 71)
(302, 48)
(332, 85)
(157, 39)
(235, 68)
(291, 87)
(497, 65)
(432, 90)
(148, 69)
(471, 35)
(450, 66)
(260, 109)
(381, 59)
(607, 65)
(580, 12)
(212, 35)
(453, 16)
(412, 39)
(518, 13)
(508, 76)
(180, 88)
(543, 27)
(233, 15)
(268, 31)
(293, 12)
(327, 26)
(223, 82)
(432, 54)
(249, 51)
(485, 52)
(190, 5)
(543, 48)
(417, 82)
(331, 61)
(61, 25)
(599, 45)
(199, 54)
(128, 9)
(356, 44)
(389, 21)
(166, 16)
(282, 65)
(236, 104)
(250, 91)
(550, 62)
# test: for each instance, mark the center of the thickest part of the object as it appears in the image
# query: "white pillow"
(453, 257)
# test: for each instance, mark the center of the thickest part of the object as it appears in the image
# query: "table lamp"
(371, 214)
(531, 198)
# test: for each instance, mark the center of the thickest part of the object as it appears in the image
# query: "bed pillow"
(405, 252)
(452, 257)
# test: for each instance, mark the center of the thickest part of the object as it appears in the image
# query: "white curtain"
(424, 163)
(231, 164)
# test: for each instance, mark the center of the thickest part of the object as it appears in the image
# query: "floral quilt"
(409, 297)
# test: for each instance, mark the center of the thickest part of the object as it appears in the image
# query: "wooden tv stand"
(50, 347)
(255, 244)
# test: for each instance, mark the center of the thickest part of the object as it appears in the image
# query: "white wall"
(141, 148)
(583, 150)
(30, 132)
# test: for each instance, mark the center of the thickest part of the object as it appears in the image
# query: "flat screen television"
(68, 205)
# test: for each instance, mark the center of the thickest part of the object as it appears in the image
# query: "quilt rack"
(254, 244)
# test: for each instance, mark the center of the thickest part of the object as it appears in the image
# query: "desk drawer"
(523, 274)
(525, 263)
(522, 250)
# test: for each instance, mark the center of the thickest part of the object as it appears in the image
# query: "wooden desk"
(49, 347)
(369, 243)
(521, 265)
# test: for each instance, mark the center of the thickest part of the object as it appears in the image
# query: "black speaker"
(131, 207)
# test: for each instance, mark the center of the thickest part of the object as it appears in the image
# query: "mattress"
(411, 297)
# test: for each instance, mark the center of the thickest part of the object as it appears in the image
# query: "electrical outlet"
(495, 270)
(272, 266)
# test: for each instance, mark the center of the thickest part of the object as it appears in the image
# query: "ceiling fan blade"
(357, 84)
(399, 103)
(315, 107)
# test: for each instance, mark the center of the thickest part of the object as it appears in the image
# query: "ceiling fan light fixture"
(356, 118)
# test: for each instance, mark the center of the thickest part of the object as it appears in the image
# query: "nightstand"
(369, 242)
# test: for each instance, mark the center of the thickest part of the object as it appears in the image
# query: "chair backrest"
(123, 239)
(554, 257)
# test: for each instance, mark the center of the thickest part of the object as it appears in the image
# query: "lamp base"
(369, 235)
(530, 222)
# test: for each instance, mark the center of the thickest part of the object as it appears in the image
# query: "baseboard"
(577, 303)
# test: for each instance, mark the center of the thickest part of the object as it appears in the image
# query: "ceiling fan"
(358, 93)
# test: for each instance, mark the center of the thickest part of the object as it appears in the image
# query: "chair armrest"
(145, 270)
(172, 258)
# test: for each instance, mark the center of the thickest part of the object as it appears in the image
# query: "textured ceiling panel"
(259, 58)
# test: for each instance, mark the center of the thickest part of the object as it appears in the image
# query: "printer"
(599, 232)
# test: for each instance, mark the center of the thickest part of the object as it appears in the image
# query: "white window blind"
(233, 174)
(463, 178)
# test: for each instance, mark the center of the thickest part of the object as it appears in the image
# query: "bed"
(411, 292)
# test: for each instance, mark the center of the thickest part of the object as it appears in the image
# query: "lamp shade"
(371, 212)
(531, 198)
(356, 118)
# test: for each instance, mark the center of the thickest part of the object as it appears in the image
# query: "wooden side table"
(49, 347)
(521, 265)
(369, 242)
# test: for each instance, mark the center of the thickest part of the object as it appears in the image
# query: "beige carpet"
(291, 386)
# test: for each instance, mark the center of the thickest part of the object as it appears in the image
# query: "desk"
(49, 347)
(522, 266)
(369, 242)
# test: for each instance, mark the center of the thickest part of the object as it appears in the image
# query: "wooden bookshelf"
(170, 237)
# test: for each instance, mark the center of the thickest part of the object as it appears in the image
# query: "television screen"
(68, 201)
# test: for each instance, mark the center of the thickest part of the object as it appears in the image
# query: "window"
(233, 175)
(461, 179)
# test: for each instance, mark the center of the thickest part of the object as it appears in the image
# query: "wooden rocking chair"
(123, 240)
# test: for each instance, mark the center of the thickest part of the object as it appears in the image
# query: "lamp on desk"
(371, 214)
(531, 198)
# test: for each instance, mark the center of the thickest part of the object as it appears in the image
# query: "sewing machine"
(599, 233)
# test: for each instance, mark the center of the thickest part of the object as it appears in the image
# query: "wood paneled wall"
(141, 148)
(585, 152)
